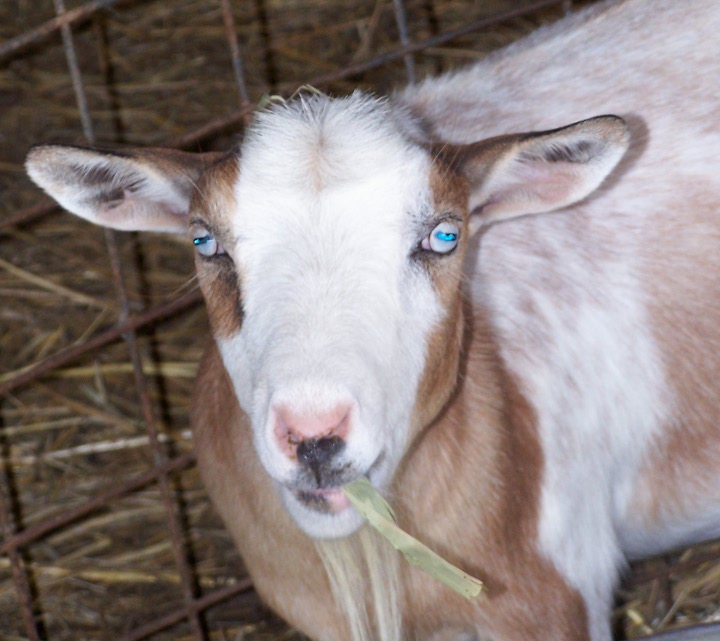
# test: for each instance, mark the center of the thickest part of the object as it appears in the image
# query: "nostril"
(316, 453)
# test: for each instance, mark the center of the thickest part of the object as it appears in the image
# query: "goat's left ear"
(534, 173)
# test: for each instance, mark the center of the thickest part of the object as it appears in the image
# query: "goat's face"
(330, 256)
(330, 261)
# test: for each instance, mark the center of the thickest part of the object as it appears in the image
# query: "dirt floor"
(155, 72)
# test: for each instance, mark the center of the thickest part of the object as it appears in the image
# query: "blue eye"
(443, 239)
(205, 243)
(446, 237)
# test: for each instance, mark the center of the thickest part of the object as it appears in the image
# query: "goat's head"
(330, 251)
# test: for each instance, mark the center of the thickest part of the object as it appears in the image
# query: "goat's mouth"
(325, 501)
(329, 500)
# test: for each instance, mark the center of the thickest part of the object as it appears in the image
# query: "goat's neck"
(483, 443)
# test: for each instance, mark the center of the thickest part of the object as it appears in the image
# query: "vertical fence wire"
(235, 56)
(404, 33)
(75, 75)
(19, 575)
(130, 338)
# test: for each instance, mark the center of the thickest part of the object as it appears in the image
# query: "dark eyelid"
(199, 222)
(211, 229)
(443, 217)
(447, 216)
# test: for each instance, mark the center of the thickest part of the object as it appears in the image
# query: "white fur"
(323, 237)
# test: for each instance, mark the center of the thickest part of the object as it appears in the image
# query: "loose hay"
(154, 71)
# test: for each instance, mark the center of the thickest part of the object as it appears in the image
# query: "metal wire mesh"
(163, 463)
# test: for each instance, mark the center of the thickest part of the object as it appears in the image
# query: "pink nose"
(292, 428)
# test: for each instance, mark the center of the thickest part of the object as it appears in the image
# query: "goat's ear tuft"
(134, 189)
(533, 173)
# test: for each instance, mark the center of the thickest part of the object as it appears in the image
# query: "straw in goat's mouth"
(373, 507)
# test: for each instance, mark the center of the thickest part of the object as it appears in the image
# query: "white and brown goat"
(516, 337)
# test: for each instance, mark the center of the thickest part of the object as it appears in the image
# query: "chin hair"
(363, 570)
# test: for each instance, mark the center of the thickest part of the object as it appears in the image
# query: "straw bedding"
(154, 71)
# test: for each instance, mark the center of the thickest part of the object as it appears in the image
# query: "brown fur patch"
(470, 484)
(444, 346)
(470, 488)
(212, 207)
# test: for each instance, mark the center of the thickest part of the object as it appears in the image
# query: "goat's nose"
(316, 453)
(311, 436)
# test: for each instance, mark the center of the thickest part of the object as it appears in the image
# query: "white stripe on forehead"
(317, 141)
(326, 168)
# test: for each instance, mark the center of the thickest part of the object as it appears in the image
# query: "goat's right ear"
(134, 189)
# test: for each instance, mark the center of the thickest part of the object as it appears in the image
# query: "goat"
(513, 335)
